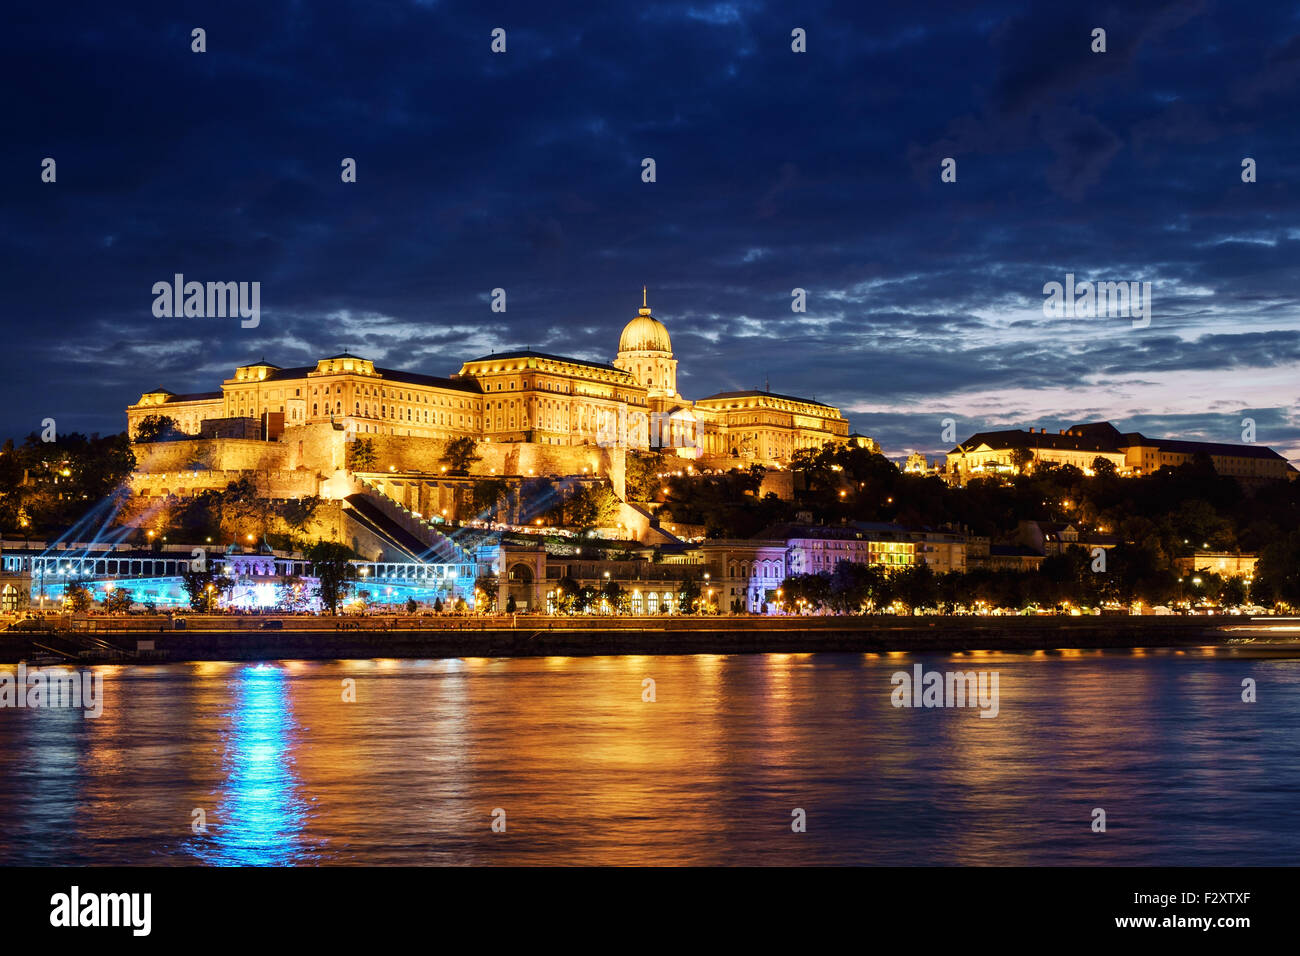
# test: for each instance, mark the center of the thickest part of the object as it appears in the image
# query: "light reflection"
(259, 820)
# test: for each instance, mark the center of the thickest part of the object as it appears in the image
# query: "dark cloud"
(775, 171)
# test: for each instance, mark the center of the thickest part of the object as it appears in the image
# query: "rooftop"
(529, 353)
(751, 393)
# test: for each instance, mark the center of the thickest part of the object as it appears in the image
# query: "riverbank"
(538, 637)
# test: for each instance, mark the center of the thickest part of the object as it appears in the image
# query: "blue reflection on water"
(260, 818)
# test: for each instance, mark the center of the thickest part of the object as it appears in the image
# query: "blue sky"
(775, 170)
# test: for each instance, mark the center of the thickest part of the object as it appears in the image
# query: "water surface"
(286, 772)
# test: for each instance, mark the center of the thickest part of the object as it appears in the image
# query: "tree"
(916, 587)
(244, 509)
(411, 606)
(297, 513)
(361, 455)
(205, 587)
(1277, 572)
(613, 595)
(460, 454)
(156, 428)
(1021, 458)
(641, 475)
(77, 597)
(1233, 593)
(570, 596)
(806, 591)
(1103, 467)
(854, 586)
(332, 566)
(487, 584)
(487, 495)
(294, 596)
(593, 507)
(688, 595)
(118, 600)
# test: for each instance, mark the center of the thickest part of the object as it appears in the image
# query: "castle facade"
(509, 397)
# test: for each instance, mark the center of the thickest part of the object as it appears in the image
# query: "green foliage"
(332, 566)
(297, 513)
(571, 504)
(488, 584)
(726, 505)
(1021, 458)
(49, 485)
(487, 497)
(295, 596)
(77, 597)
(153, 428)
(1277, 574)
(572, 597)
(460, 455)
(205, 587)
(801, 592)
(362, 455)
(855, 587)
(641, 474)
(689, 595)
(593, 506)
(118, 601)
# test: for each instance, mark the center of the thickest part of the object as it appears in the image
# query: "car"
(272, 625)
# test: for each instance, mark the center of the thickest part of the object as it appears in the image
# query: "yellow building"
(993, 453)
(516, 396)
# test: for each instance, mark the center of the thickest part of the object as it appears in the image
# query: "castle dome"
(645, 333)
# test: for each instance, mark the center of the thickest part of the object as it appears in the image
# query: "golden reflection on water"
(589, 770)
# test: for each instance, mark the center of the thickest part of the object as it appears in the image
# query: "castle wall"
(307, 459)
(214, 454)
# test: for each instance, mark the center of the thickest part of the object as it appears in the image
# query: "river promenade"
(102, 640)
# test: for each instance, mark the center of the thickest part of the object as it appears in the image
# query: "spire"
(643, 295)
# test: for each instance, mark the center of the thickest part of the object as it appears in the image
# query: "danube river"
(273, 766)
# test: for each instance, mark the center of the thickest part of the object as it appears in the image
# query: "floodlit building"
(987, 454)
(520, 396)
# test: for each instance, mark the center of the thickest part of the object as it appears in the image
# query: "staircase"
(385, 518)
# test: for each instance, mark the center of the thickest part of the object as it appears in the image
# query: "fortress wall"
(779, 483)
(217, 454)
(319, 451)
(410, 454)
(272, 484)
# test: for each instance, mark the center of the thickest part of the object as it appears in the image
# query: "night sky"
(775, 170)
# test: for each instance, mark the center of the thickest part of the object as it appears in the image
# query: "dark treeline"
(47, 485)
(1174, 512)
